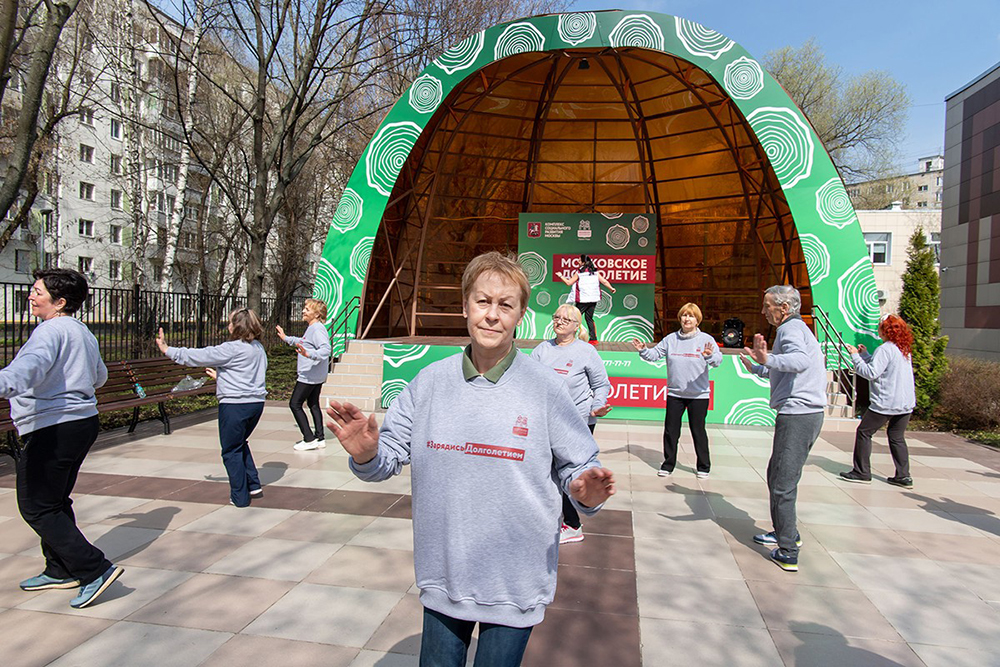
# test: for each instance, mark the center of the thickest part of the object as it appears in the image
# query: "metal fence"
(125, 321)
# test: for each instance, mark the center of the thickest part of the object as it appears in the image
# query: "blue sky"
(934, 47)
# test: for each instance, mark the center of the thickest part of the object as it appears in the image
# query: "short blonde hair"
(504, 266)
(571, 312)
(318, 307)
(246, 325)
(691, 308)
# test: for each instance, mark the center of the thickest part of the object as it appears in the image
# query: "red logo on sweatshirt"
(521, 426)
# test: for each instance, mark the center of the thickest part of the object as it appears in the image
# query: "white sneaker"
(303, 446)
(321, 443)
(701, 475)
(569, 535)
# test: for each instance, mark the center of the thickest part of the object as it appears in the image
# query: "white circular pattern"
(518, 38)
(787, 141)
(462, 55)
(426, 94)
(535, 267)
(329, 288)
(390, 390)
(643, 242)
(640, 224)
(543, 298)
(526, 329)
(751, 412)
(396, 355)
(747, 375)
(857, 297)
(700, 41)
(817, 258)
(617, 237)
(349, 210)
(387, 153)
(603, 306)
(743, 78)
(637, 30)
(360, 257)
(612, 216)
(630, 301)
(627, 327)
(576, 28)
(834, 205)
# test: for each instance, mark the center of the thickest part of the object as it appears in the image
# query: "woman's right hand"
(851, 349)
(161, 341)
(281, 332)
(638, 345)
(357, 434)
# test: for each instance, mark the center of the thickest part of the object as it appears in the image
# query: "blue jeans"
(445, 642)
(236, 423)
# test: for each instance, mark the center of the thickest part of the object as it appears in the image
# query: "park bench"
(157, 376)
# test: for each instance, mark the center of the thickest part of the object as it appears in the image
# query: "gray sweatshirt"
(489, 462)
(891, 377)
(54, 375)
(315, 368)
(579, 364)
(796, 370)
(687, 369)
(241, 367)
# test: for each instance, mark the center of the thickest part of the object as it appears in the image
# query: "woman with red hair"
(890, 371)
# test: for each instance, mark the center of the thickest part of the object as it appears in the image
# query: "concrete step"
(840, 411)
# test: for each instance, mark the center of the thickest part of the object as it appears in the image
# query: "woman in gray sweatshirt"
(579, 364)
(893, 397)
(313, 366)
(51, 386)
(240, 366)
(690, 353)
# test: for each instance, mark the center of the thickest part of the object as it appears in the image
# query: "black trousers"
(570, 516)
(872, 422)
(587, 310)
(697, 409)
(46, 475)
(308, 394)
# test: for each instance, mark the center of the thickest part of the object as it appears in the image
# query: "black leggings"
(309, 394)
(697, 409)
(587, 310)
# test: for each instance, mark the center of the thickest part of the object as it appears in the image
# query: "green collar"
(495, 373)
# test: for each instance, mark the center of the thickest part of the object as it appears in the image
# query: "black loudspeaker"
(732, 332)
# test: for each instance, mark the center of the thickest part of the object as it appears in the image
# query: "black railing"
(340, 330)
(125, 321)
(843, 367)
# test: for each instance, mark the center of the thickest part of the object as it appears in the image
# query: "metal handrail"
(840, 346)
(343, 317)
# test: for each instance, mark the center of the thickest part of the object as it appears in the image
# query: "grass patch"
(990, 438)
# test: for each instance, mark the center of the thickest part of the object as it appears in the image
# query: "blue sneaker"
(44, 582)
(784, 561)
(91, 591)
(771, 540)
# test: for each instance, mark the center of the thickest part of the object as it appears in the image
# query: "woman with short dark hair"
(239, 366)
(586, 284)
(51, 386)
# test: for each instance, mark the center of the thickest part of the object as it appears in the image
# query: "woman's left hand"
(302, 350)
(593, 486)
(850, 348)
(601, 411)
(708, 350)
(161, 341)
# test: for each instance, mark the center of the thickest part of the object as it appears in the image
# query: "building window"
(87, 116)
(928, 165)
(50, 260)
(87, 191)
(116, 165)
(85, 228)
(921, 204)
(157, 272)
(48, 222)
(115, 234)
(879, 245)
(171, 200)
(935, 243)
(86, 153)
(116, 93)
(921, 188)
(116, 200)
(937, 197)
(22, 261)
(116, 128)
(161, 203)
(114, 270)
(939, 179)
(85, 264)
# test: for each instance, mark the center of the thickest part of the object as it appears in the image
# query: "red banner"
(636, 269)
(645, 393)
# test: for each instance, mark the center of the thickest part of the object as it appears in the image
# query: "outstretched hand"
(593, 486)
(851, 349)
(601, 411)
(357, 434)
(708, 350)
(759, 350)
(281, 332)
(161, 341)
(638, 345)
(212, 373)
(300, 348)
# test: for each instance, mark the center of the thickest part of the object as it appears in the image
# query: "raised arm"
(571, 280)
(606, 283)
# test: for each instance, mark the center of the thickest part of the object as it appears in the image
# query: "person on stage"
(690, 353)
(893, 397)
(493, 437)
(312, 369)
(51, 386)
(581, 367)
(586, 284)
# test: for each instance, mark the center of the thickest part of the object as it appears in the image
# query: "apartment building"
(919, 189)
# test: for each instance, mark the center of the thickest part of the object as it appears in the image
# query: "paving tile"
(397, 484)
(94, 509)
(117, 541)
(355, 502)
(610, 522)
(191, 471)
(283, 560)
(981, 579)
(926, 521)
(128, 644)
(345, 616)
(568, 638)
(14, 569)
(289, 498)
(134, 589)
(317, 479)
(16, 537)
(243, 650)
(847, 539)
(953, 656)
(958, 619)
(22, 629)
(674, 504)
(918, 576)
(697, 599)
(679, 558)
(213, 602)
(203, 492)
(190, 552)
(247, 521)
(401, 509)
(146, 487)
(832, 514)
(382, 659)
(385, 533)
(817, 644)
(365, 567)
(108, 463)
(602, 551)
(320, 527)
(678, 642)
(583, 589)
(988, 524)
(401, 630)
(161, 514)
(816, 566)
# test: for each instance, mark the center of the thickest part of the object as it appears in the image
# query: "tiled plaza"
(320, 572)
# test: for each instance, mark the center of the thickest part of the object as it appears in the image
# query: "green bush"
(970, 394)
(919, 307)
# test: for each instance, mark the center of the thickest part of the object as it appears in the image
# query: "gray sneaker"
(771, 540)
(93, 590)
